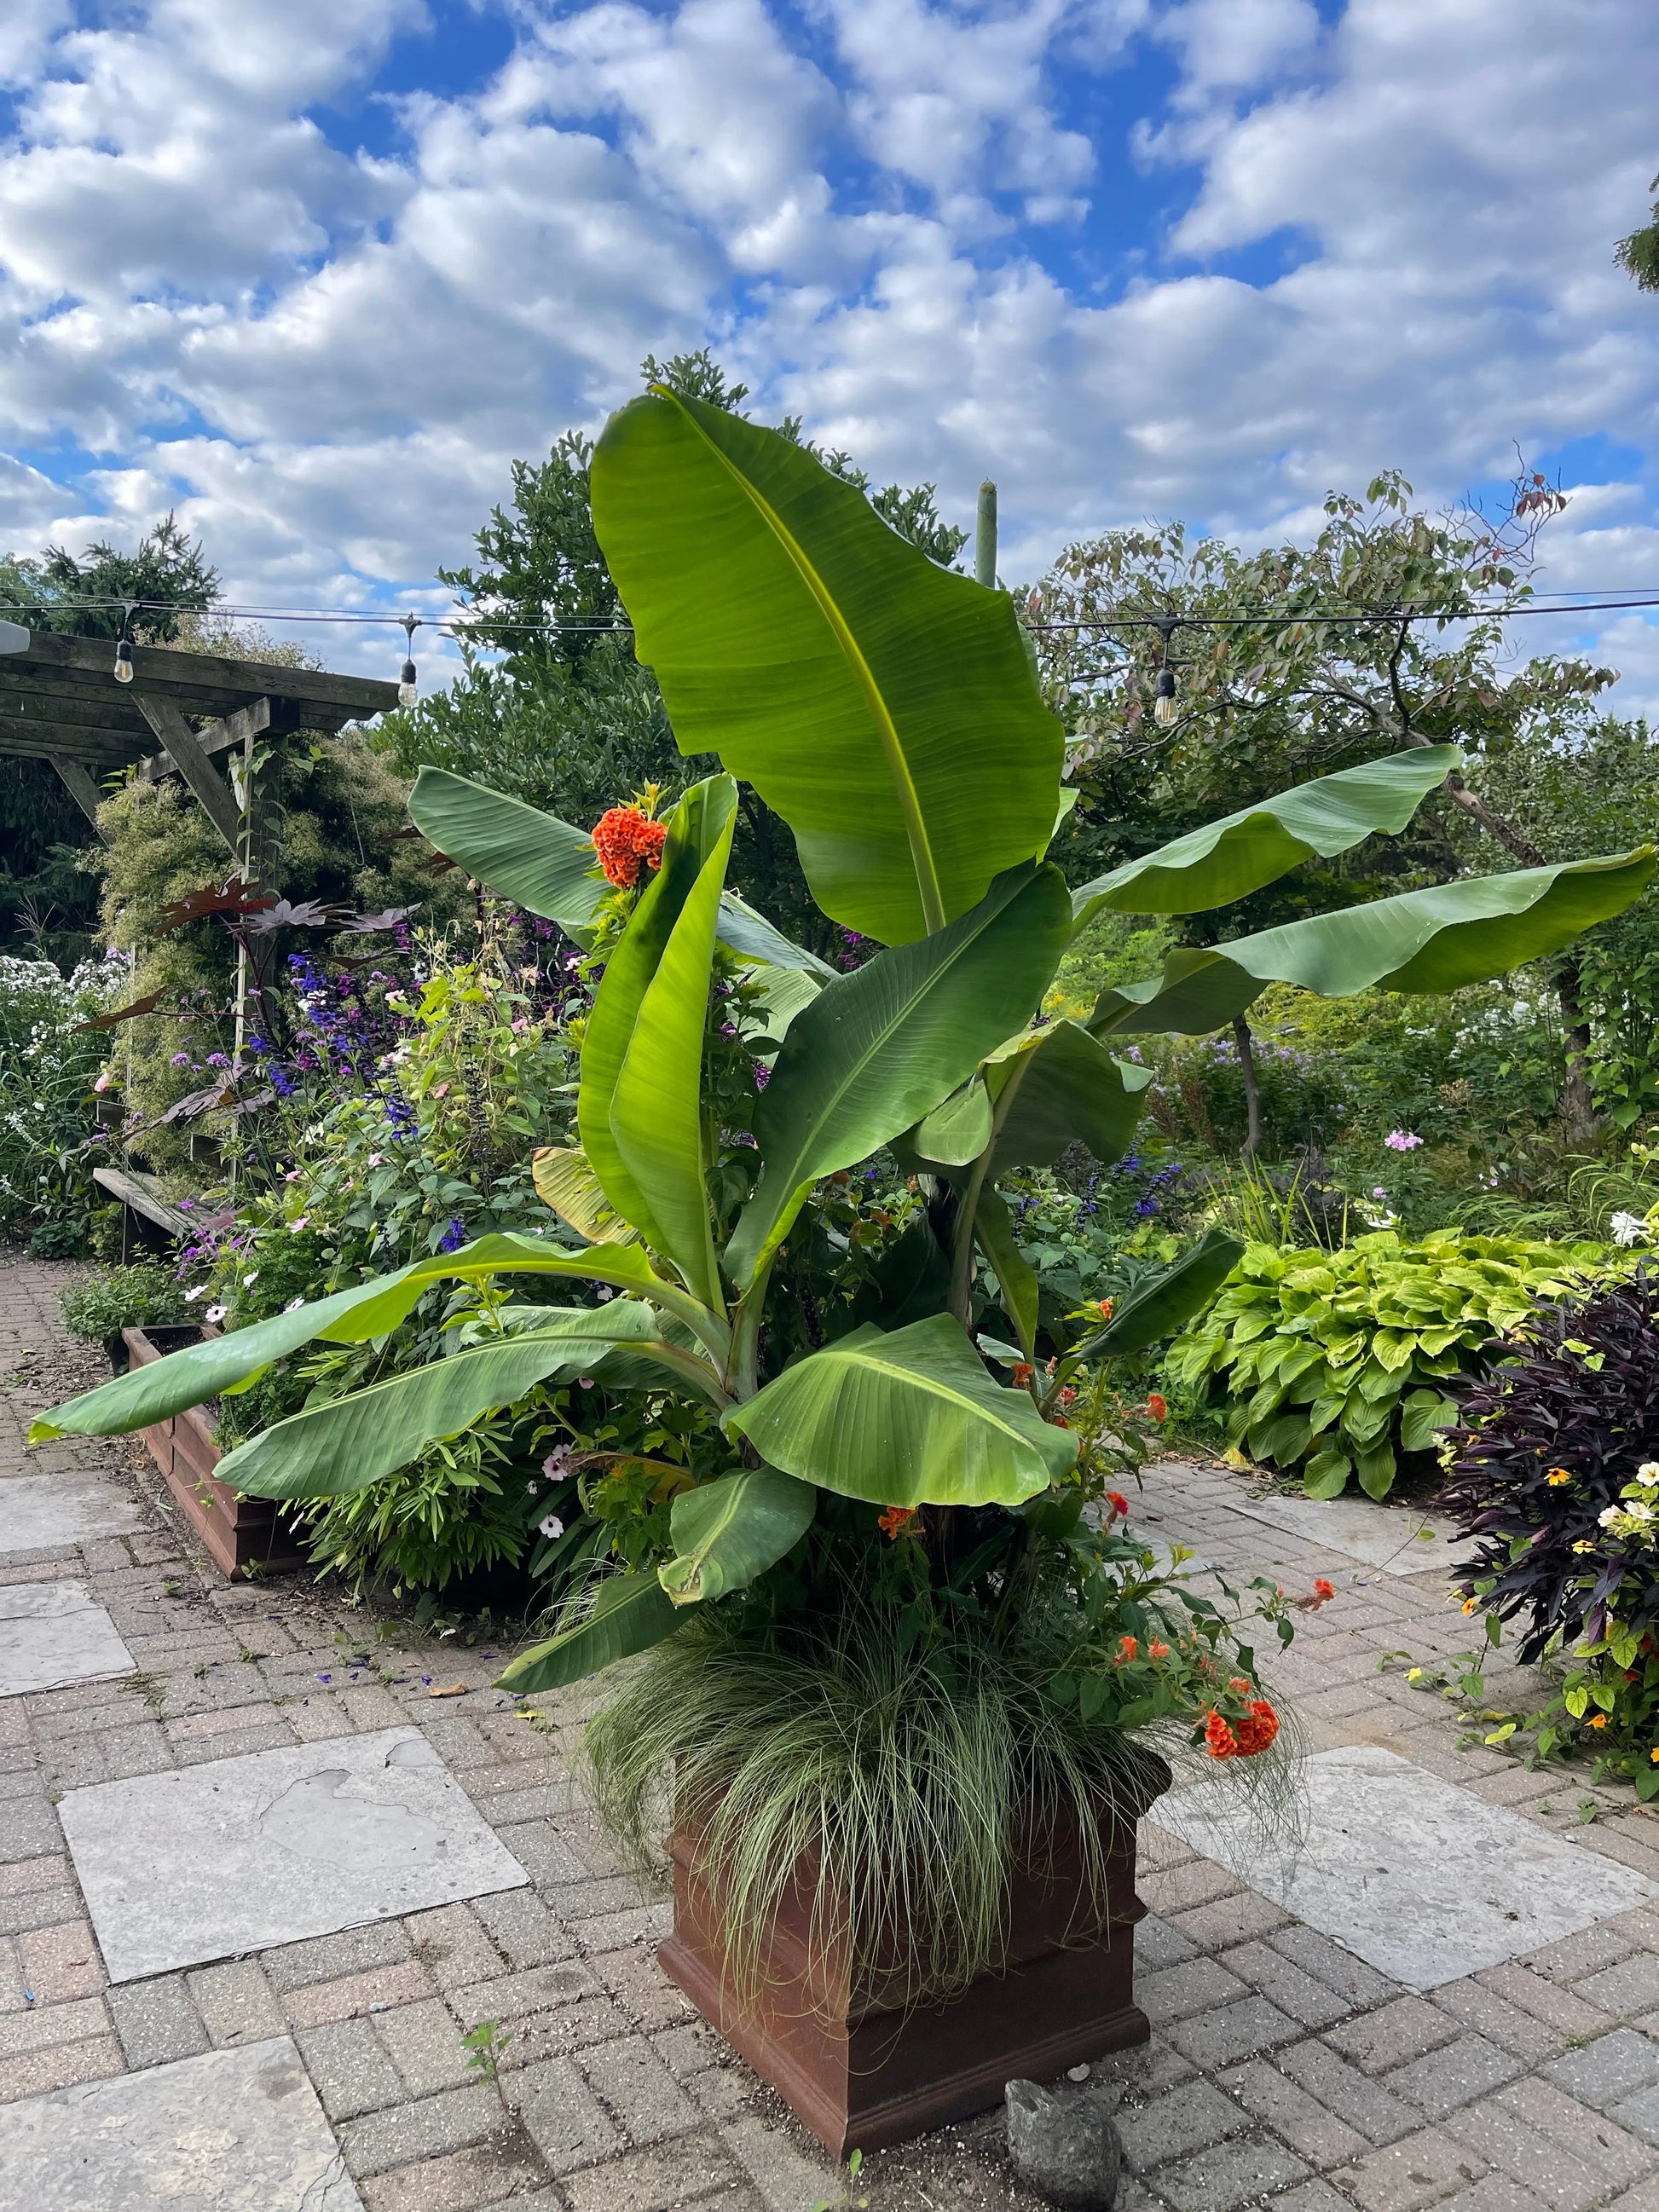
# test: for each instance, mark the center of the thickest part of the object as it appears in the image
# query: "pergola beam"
(98, 749)
(81, 789)
(204, 780)
(217, 738)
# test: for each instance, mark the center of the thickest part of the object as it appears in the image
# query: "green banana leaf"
(165, 1387)
(1015, 1273)
(656, 1108)
(727, 1532)
(547, 866)
(331, 1449)
(566, 1182)
(908, 1420)
(699, 822)
(885, 707)
(1061, 1086)
(957, 1130)
(629, 1614)
(1430, 940)
(880, 1048)
(1166, 1302)
(1225, 860)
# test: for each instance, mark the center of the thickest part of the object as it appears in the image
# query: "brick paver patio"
(1282, 2070)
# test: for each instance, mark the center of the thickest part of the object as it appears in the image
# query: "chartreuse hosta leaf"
(1225, 860)
(630, 1614)
(656, 1108)
(728, 1531)
(165, 1387)
(346, 1444)
(885, 707)
(909, 1419)
(699, 825)
(1430, 940)
(880, 1048)
(547, 866)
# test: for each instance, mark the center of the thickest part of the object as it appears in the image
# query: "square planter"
(241, 1533)
(860, 2065)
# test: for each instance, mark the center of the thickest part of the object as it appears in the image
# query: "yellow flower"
(1557, 1476)
(1583, 1545)
(1470, 1603)
(1654, 1754)
(1413, 1674)
(1598, 1720)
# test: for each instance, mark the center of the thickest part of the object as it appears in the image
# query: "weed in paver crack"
(483, 2046)
(846, 2202)
(1588, 1810)
(250, 1658)
(154, 1693)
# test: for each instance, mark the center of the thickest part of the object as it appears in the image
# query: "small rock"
(1066, 2147)
(1077, 2073)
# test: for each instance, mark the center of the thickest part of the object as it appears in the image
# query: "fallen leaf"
(454, 1690)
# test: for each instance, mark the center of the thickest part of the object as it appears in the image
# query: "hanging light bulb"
(1165, 706)
(408, 692)
(123, 661)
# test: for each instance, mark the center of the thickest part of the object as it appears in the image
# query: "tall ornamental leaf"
(885, 707)
(1059, 1087)
(913, 1418)
(342, 1445)
(1431, 940)
(549, 866)
(728, 1531)
(656, 1109)
(701, 821)
(881, 1048)
(1226, 859)
(628, 1614)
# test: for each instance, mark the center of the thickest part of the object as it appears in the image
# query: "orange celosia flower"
(1023, 1375)
(1104, 1307)
(1158, 1406)
(896, 1519)
(1256, 1733)
(1119, 1504)
(624, 838)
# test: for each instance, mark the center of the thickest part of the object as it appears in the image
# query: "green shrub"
(146, 1296)
(1336, 1363)
(48, 1064)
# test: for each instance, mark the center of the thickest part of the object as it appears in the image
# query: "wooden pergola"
(61, 701)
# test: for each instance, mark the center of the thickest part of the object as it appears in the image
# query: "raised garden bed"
(862, 2066)
(244, 1534)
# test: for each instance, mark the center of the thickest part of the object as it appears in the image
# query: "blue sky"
(313, 272)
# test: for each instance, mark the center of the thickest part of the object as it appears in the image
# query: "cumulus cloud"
(1381, 238)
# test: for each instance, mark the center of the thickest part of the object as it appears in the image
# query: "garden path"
(1283, 2068)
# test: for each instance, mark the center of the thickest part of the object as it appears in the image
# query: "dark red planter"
(860, 2066)
(241, 1533)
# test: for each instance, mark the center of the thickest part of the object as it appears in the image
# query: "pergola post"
(81, 788)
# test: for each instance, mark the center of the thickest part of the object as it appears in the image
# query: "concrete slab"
(1390, 1539)
(48, 1512)
(237, 1853)
(1422, 1879)
(55, 1633)
(237, 2131)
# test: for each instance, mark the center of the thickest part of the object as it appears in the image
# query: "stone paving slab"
(42, 1512)
(52, 1634)
(1422, 1879)
(210, 1861)
(230, 2131)
(1394, 1539)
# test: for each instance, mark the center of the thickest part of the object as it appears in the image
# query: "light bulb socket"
(123, 661)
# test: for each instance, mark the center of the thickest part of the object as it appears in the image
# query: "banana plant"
(886, 708)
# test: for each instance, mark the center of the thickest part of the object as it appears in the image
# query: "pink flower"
(1403, 1140)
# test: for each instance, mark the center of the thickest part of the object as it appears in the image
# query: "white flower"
(200, 1291)
(1608, 1515)
(552, 1526)
(557, 1465)
(1636, 1510)
(297, 1224)
(294, 1305)
(377, 1159)
(1628, 1229)
(252, 1276)
(215, 1313)
(1648, 1472)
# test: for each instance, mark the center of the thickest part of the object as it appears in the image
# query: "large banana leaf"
(912, 1419)
(565, 1182)
(1161, 1306)
(1224, 861)
(885, 707)
(701, 821)
(630, 1614)
(880, 1048)
(1061, 1086)
(1015, 1273)
(346, 1444)
(165, 1387)
(727, 1532)
(1430, 940)
(656, 1109)
(547, 866)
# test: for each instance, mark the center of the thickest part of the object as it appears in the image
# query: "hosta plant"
(913, 1479)
(1335, 1363)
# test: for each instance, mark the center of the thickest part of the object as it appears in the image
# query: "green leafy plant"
(908, 1463)
(1335, 1363)
(143, 1296)
(49, 1065)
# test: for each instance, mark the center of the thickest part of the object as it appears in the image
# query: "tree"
(1638, 254)
(1388, 631)
(552, 706)
(47, 899)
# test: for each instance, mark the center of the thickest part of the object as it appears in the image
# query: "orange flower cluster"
(1158, 1406)
(1119, 1504)
(624, 838)
(1224, 1740)
(896, 1519)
